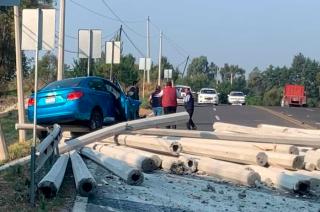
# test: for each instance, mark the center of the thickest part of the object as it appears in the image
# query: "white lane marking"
(308, 109)
(214, 109)
(80, 205)
(217, 117)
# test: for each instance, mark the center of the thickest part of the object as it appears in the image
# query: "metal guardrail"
(45, 154)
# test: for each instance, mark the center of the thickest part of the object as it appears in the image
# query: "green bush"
(272, 97)
(145, 103)
(254, 100)
(312, 102)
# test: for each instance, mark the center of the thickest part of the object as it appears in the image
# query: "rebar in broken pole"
(130, 175)
(85, 183)
(172, 165)
(228, 171)
(190, 162)
(50, 184)
(145, 164)
(279, 179)
(3, 146)
(150, 143)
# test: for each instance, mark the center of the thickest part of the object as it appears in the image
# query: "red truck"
(294, 95)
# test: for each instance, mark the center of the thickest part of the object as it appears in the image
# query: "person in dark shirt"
(155, 101)
(134, 91)
(189, 106)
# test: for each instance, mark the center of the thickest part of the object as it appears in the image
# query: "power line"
(132, 43)
(119, 19)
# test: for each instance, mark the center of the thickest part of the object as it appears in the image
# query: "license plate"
(50, 100)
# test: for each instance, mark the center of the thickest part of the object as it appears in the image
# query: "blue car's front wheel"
(96, 120)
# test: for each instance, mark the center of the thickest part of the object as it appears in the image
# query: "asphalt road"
(310, 116)
(205, 115)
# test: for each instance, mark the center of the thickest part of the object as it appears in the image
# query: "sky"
(247, 33)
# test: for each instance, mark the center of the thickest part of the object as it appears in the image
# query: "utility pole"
(21, 113)
(217, 81)
(160, 57)
(185, 66)
(61, 40)
(120, 33)
(111, 67)
(148, 46)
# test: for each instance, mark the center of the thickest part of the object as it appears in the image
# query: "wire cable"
(132, 43)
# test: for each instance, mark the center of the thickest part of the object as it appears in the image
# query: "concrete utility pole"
(21, 114)
(217, 81)
(61, 40)
(231, 78)
(148, 47)
(160, 57)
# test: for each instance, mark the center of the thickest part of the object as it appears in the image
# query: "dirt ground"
(166, 192)
(14, 187)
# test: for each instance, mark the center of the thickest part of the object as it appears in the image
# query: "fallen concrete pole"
(190, 162)
(150, 143)
(304, 175)
(4, 155)
(81, 141)
(231, 154)
(228, 171)
(17, 162)
(85, 183)
(288, 140)
(287, 161)
(50, 184)
(309, 166)
(312, 157)
(289, 130)
(156, 159)
(172, 165)
(281, 148)
(130, 175)
(281, 180)
(133, 159)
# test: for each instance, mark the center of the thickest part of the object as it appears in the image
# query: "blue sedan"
(91, 100)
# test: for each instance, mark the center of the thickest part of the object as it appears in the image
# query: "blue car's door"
(102, 98)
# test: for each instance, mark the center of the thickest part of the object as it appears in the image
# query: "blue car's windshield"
(67, 83)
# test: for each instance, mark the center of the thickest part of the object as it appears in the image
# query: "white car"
(208, 96)
(181, 93)
(236, 98)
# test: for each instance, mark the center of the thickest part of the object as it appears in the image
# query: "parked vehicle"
(294, 95)
(236, 97)
(91, 100)
(208, 96)
(181, 93)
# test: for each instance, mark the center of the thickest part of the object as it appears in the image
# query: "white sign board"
(89, 43)
(142, 64)
(34, 30)
(9, 2)
(168, 73)
(114, 47)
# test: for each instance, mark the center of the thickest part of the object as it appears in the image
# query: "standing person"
(189, 106)
(169, 100)
(134, 91)
(155, 101)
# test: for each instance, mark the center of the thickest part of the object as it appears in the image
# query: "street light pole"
(61, 40)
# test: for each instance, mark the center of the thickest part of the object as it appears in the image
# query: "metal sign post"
(89, 46)
(38, 32)
(113, 54)
(144, 65)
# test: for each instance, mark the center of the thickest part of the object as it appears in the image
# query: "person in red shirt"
(169, 100)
